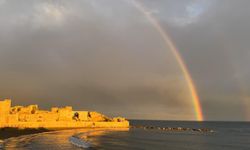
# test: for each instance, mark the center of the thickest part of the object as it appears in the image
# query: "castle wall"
(12, 118)
(31, 117)
(4, 110)
(83, 115)
(31, 109)
(95, 116)
(65, 114)
(72, 124)
(38, 117)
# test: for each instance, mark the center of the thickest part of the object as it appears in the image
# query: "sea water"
(227, 136)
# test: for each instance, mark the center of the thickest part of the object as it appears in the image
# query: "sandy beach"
(14, 132)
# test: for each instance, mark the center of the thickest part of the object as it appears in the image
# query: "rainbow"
(174, 50)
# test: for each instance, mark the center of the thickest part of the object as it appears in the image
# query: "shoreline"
(7, 132)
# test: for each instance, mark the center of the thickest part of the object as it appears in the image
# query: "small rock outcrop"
(202, 130)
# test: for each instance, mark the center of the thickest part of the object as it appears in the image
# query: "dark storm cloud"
(105, 56)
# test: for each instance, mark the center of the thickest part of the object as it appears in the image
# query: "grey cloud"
(92, 55)
(215, 48)
(105, 56)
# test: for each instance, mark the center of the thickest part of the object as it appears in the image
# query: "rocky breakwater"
(176, 129)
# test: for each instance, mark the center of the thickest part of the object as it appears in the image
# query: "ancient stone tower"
(4, 110)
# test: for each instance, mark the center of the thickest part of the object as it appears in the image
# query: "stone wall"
(65, 114)
(71, 124)
(83, 115)
(98, 117)
(31, 117)
(4, 110)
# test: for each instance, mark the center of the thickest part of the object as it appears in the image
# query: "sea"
(226, 136)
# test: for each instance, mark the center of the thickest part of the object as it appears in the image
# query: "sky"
(104, 55)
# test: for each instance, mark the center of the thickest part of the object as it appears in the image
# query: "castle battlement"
(32, 117)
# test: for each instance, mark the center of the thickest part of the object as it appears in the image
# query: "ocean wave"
(80, 139)
(1, 144)
(86, 140)
(61, 139)
(79, 142)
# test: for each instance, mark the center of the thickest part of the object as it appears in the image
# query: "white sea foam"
(1, 144)
(79, 142)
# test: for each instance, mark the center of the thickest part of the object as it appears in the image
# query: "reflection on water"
(93, 136)
(57, 139)
(18, 143)
(228, 135)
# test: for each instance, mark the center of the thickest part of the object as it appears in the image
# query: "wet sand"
(14, 132)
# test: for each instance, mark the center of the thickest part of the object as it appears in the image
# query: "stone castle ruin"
(31, 117)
